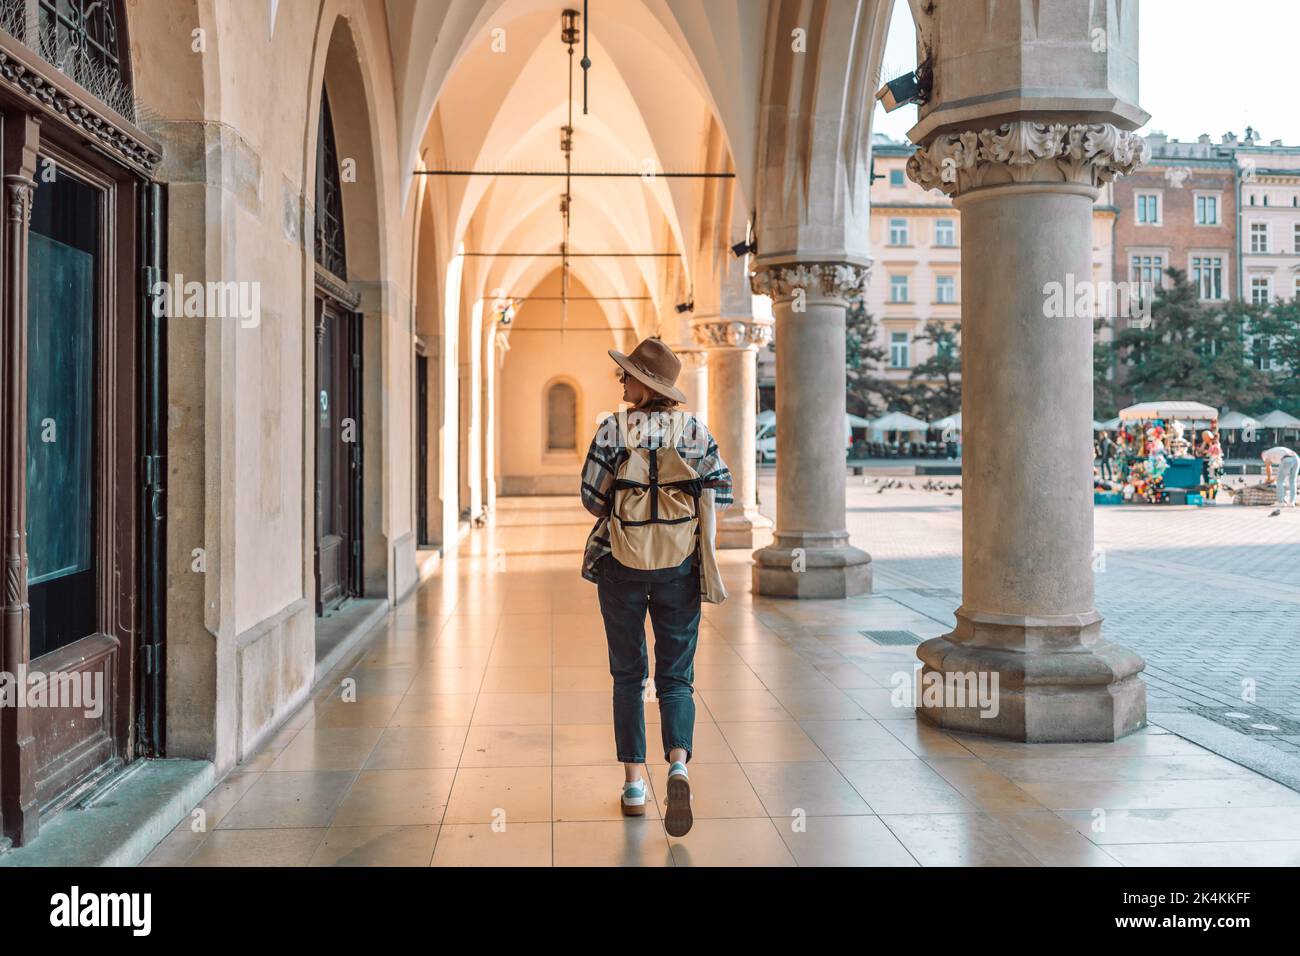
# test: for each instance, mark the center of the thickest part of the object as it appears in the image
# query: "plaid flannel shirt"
(697, 448)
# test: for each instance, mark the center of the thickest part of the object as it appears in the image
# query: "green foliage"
(1277, 331)
(935, 387)
(866, 390)
(1190, 349)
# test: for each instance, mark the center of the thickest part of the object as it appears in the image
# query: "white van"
(766, 442)
(765, 439)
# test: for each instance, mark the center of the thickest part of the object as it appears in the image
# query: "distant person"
(1106, 451)
(1288, 462)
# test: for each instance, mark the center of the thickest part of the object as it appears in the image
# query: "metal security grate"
(892, 638)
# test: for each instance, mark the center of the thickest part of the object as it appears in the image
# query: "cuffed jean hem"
(623, 759)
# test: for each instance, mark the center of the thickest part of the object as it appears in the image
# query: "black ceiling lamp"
(586, 60)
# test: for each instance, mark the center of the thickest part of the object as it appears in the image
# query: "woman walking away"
(647, 472)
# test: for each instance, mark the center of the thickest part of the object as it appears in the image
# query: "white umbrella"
(1190, 411)
(947, 422)
(765, 417)
(857, 421)
(898, 422)
(1234, 421)
(1109, 424)
(1279, 419)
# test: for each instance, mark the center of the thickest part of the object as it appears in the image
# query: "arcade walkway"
(481, 735)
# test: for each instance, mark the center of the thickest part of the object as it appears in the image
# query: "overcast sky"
(1206, 66)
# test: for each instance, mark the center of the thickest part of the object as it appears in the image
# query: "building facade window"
(1259, 237)
(1148, 209)
(898, 232)
(900, 350)
(1261, 292)
(1207, 275)
(84, 39)
(331, 250)
(561, 417)
(945, 289)
(1295, 239)
(1148, 272)
(898, 288)
(896, 178)
(945, 232)
(1207, 210)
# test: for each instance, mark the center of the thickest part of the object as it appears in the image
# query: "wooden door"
(71, 467)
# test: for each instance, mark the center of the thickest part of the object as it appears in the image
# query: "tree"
(1190, 349)
(1276, 344)
(1105, 400)
(936, 383)
(863, 358)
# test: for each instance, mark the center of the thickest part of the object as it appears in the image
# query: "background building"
(1269, 219)
(916, 275)
(1181, 212)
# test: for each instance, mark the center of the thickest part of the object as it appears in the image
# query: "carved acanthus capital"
(19, 191)
(816, 280)
(693, 358)
(1024, 151)
(732, 332)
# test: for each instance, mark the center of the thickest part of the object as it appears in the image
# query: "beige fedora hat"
(653, 364)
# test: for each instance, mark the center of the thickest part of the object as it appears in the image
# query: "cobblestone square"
(1209, 596)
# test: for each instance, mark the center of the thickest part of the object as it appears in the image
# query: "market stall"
(898, 433)
(1283, 429)
(1168, 453)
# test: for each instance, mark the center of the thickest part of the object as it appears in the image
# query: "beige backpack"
(654, 517)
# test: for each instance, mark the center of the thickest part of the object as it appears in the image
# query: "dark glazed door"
(338, 456)
(422, 448)
(80, 470)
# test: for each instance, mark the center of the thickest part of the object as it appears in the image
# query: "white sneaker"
(633, 798)
(677, 805)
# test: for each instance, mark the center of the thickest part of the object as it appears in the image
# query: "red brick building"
(1180, 211)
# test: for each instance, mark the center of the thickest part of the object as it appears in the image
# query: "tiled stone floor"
(481, 735)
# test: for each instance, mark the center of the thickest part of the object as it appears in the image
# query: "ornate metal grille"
(85, 39)
(330, 239)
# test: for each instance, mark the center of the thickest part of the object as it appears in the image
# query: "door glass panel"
(326, 398)
(61, 349)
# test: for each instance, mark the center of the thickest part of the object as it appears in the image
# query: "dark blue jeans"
(674, 607)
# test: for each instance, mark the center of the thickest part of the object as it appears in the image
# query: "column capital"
(785, 280)
(692, 355)
(730, 332)
(1025, 151)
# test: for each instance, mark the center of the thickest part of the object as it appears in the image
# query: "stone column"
(694, 380)
(810, 556)
(1027, 620)
(733, 344)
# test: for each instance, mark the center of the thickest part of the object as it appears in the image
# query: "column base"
(811, 566)
(1057, 681)
(737, 531)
